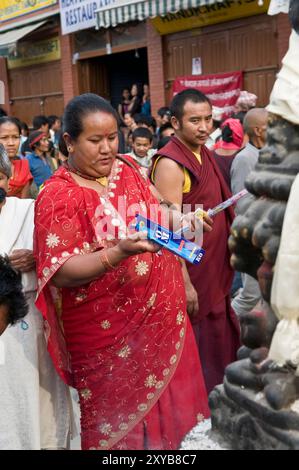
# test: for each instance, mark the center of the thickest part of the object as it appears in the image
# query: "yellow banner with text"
(35, 53)
(206, 15)
(10, 9)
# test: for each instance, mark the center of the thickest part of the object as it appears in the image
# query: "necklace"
(103, 180)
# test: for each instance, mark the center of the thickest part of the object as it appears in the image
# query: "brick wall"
(283, 31)
(155, 68)
(68, 69)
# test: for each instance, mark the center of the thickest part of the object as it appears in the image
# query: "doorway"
(108, 75)
(124, 69)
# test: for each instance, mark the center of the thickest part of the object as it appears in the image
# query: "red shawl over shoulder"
(21, 176)
(120, 338)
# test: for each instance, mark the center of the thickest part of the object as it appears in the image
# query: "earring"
(69, 149)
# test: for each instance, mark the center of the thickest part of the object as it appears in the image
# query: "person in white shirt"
(255, 126)
(36, 410)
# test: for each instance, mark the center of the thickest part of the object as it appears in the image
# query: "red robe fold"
(224, 163)
(216, 326)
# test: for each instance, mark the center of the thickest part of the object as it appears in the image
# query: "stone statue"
(258, 404)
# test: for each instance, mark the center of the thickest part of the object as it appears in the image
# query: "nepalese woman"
(230, 144)
(123, 106)
(21, 179)
(116, 310)
(136, 101)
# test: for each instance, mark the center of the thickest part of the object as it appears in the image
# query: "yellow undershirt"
(187, 177)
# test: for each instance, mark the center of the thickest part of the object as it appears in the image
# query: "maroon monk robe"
(224, 163)
(216, 327)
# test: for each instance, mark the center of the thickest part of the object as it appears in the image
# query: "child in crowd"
(142, 147)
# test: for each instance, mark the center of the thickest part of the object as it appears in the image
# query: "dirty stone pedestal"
(246, 421)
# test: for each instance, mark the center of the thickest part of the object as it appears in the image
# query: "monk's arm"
(169, 181)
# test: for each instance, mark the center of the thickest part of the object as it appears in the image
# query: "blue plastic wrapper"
(182, 247)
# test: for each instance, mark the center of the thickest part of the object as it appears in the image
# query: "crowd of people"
(140, 334)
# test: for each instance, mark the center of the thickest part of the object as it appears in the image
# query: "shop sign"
(10, 9)
(29, 53)
(196, 66)
(223, 89)
(206, 15)
(80, 14)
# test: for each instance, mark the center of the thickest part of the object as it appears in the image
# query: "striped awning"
(9, 39)
(122, 11)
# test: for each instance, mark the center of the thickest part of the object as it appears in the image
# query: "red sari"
(124, 340)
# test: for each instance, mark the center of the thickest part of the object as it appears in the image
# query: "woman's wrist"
(111, 257)
(117, 254)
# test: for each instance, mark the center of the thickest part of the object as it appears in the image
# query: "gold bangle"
(105, 261)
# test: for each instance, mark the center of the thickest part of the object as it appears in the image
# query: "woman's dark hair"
(139, 88)
(125, 89)
(179, 101)
(227, 135)
(294, 15)
(79, 107)
(11, 120)
(62, 147)
(11, 291)
(163, 141)
(24, 126)
(138, 99)
(33, 140)
(5, 165)
(2, 195)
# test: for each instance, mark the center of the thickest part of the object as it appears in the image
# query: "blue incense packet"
(182, 247)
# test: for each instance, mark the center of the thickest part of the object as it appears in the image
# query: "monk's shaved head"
(256, 117)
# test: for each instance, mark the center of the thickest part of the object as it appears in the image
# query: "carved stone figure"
(258, 404)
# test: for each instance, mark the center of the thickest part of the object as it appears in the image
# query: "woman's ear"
(68, 142)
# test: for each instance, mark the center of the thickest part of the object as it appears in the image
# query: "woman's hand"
(82, 269)
(136, 244)
(22, 260)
